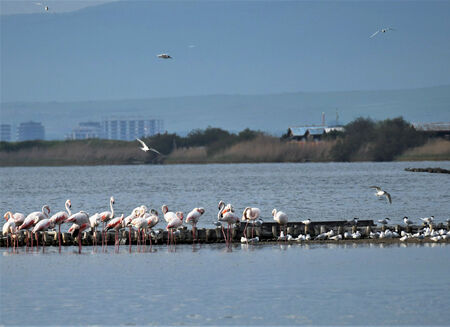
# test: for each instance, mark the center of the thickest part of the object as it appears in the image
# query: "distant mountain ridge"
(272, 113)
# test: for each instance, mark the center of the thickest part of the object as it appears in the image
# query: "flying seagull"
(383, 30)
(145, 148)
(380, 192)
(40, 4)
(164, 56)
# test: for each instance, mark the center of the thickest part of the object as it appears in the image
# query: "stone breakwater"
(319, 232)
(429, 170)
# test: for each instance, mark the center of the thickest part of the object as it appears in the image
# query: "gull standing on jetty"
(384, 221)
(192, 219)
(407, 221)
(106, 216)
(383, 30)
(379, 192)
(59, 218)
(145, 148)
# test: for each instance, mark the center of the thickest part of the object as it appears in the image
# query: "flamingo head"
(244, 214)
(165, 208)
(274, 212)
(47, 208)
(8, 214)
(111, 199)
(221, 204)
(180, 215)
(69, 203)
(154, 212)
(201, 211)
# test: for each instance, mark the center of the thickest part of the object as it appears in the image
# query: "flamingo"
(107, 216)
(9, 228)
(281, 218)
(152, 221)
(59, 218)
(250, 214)
(192, 219)
(116, 224)
(32, 219)
(174, 224)
(42, 226)
(226, 214)
(94, 221)
(17, 217)
(140, 224)
(81, 219)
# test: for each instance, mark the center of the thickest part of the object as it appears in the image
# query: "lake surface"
(251, 285)
(320, 191)
(341, 284)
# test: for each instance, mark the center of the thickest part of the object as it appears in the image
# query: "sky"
(108, 50)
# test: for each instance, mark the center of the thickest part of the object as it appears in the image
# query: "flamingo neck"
(112, 208)
(68, 209)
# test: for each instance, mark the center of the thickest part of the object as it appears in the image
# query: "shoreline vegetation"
(363, 140)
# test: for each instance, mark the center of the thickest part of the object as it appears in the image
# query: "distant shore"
(263, 149)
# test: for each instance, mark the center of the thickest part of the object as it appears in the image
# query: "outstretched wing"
(376, 187)
(144, 146)
(156, 151)
(373, 34)
(388, 197)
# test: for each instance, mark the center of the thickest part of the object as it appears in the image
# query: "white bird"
(407, 221)
(8, 228)
(192, 219)
(17, 217)
(94, 221)
(384, 221)
(281, 218)
(250, 214)
(379, 192)
(226, 214)
(40, 4)
(164, 56)
(174, 224)
(383, 30)
(145, 148)
(428, 220)
(306, 222)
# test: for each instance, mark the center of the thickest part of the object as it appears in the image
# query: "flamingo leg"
(245, 231)
(37, 242)
(79, 243)
(129, 238)
(59, 237)
(224, 237)
(150, 237)
(31, 236)
(7, 241)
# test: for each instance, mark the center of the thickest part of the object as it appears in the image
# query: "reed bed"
(434, 150)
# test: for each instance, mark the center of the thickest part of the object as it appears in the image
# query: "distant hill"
(273, 113)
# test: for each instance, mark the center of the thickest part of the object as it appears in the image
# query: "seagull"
(380, 192)
(354, 221)
(164, 56)
(306, 222)
(383, 30)
(145, 148)
(407, 221)
(384, 221)
(40, 4)
(428, 220)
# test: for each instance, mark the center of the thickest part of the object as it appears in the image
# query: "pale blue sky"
(254, 47)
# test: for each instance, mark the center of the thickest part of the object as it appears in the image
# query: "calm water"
(259, 285)
(327, 191)
(256, 285)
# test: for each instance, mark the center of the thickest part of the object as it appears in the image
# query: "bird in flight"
(164, 56)
(379, 192)
(145, 148)
(383, 30)
(40, 4)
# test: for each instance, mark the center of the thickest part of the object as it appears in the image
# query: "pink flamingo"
(174, 224)
(141, 225)
(281, 218)
(94, 221)
(226, 214)
(41, 226)
(17, 217)
(59, 218)
(152, 221)
(105, 217)
(192, 219)
(116, 224)
(250, 214)
(9, 228)
(81, 220)
(32, 219)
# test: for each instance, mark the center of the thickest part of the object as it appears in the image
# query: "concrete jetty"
(266, 232)
(429, 170)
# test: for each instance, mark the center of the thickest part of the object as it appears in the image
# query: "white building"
(130, 129)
